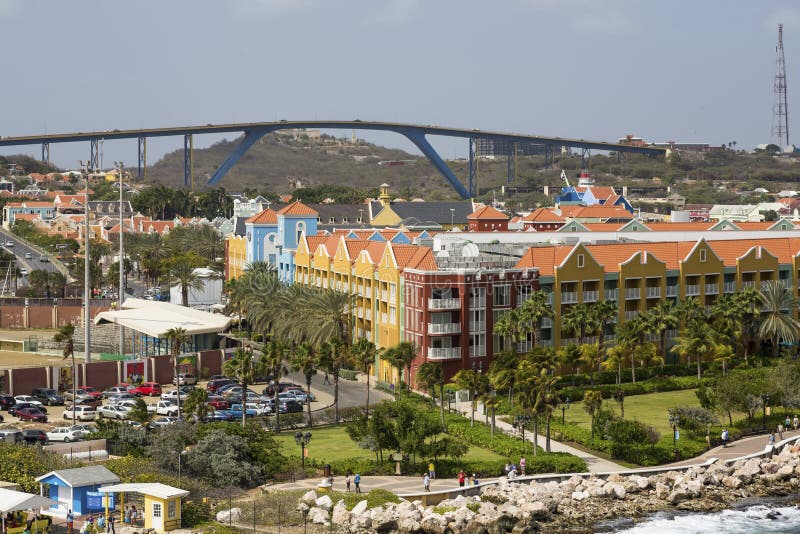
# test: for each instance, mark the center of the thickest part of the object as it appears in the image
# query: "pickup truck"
(236, 410)
(164, 407)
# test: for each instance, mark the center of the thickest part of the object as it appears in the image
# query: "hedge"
(348, 374)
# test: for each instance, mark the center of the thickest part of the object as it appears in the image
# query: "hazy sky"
(593, 69)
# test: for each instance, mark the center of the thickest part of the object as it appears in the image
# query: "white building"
(210, 294)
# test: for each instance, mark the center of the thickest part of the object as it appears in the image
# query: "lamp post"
(765, 401)
(674, 420)
(120, 168)
(302, 439)
(564, 406)
(181, 454)
(452, 217)
(87, 315)
(520, 421)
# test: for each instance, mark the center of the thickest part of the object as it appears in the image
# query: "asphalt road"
(20, 250)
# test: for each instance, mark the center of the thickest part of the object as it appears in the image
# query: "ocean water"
(758, 519)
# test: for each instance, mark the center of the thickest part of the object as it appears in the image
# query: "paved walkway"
(737, 449)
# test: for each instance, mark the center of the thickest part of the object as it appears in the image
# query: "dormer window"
(331, 220)
(702, 255)
(344, 219)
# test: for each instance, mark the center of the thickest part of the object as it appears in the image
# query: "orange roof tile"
(604, 227)
(544, 258)
(330, 244)
(747, 225)
(600, 192)
(680, 226)
(413, 257)
(355, 246)
(267, 216)
(596, 211)
(545, 215)
(488, 213)
(38, 204)
(297, 208)
(375, 251)
(314, 242)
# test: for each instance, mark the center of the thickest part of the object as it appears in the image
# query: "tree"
(224, 460)
(430, 376)
(305, 360)
(243, 369)
(661, 318)
(273, 356)
(139, 412)
(177, 338)
(471, 381)
(401, 356)
(364, 353)
(197, 404)
(778, 303)
(578, 320)
(503, 373)
(698, 339)
(181, 271)
(66, 335)
(592, 402)
(572, 357)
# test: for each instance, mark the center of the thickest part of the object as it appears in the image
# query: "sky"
(593, 69)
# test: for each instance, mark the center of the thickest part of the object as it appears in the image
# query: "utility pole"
(87, 306)
(121, 295)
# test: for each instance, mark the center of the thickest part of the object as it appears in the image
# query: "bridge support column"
(249, 139)
(586, 158)
(188, 161)
(46, 153)
(94, 154)
(511, 159)
(473, 167)
(142, 158)
(422, 143)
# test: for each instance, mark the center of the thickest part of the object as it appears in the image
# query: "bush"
(348, 374)
(194, 513)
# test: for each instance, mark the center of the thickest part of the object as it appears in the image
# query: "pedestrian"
(70, 521)
(724, 437)
(771, 440)
(787, 424)
(475, 479)
(462, 477)
(795, 422)
(110, 527)
(780, 431)
(522, 464)
(127, 518)
(507, 468)
(134, 515)
(357, 482)
(330, 482)
(101, 523)
(512, 474)
(347, 482)
(432, 470)
(326, 380)
(426, 482)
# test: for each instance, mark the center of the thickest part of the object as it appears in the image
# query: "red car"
(89, 390)
(150, 389)
(218, 403)
(214, 385)
(31, 414)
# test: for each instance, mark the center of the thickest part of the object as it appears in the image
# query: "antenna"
(780, 115)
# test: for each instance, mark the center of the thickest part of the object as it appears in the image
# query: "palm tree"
(572, 357)
(698, 339)
(777, 322)
(430, 376)
(305, 360)
(401, 356)
(66, 335)
(662, 317)
(243, 369)
(471, 381)
(273, 356)
(491, 402)
(592, 402)
(196, 404)
(364, 352)
(177, 337)
(578, 320)
(534, 310)
(503, 372)
(614, 358)
(181, 271)
(630, 335)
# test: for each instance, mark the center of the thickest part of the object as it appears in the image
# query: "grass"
(331, 444)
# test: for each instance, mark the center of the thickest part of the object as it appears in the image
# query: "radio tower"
(780, 117)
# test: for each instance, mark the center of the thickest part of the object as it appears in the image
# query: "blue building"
(261, 231)
(76, 489)
(588, 194)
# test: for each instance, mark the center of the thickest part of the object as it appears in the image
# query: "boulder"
(340, 515)
(616, 491)
(324, 502)
(232, 515)
(785, 472)
(502, 524)
(662, 490)
(731, 482)
(433, 523)
(309, 497)
(641, 482)
(319, 516)
(536, 509)
(359, 508)
(694, 487)
(525, 526)
(580, 495)
(406, 524)
(769, 468)
(680, 493)
(748, 470)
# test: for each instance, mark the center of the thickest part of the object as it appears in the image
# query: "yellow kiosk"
(162, 503)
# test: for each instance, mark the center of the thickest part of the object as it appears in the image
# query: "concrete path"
(737, 449)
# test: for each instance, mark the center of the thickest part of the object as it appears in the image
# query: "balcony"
(566, 341)
(384, 295)
(545, 342)
(672, 291)
(653, 292)
(730, 287)
(477, 302)
(631, 314)
(477, 350)
(368, 315)
(632, 293)
(368, 292)
(444, 304)
(711, 289)
(547, 322)
(524, 346)
(360, 313)
(591, 296)
(444, 328)
(749, 284)
(477, 326)
(611, 294)
(692, 290)
(448, 353)
(764, 284)
(569, 297)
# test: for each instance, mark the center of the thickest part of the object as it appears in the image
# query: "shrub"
(348, 374)
(194, 513)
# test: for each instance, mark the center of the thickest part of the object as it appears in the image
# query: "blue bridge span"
(504, 143)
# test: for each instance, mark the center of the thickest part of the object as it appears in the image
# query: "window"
(300, 229)
(331, 220)
(702, 255)
(171, 508)
(502, 296)
(392, 315)
(156, 509)
(581, 261)
(344, 219)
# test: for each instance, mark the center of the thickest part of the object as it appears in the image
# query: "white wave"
(753, 520)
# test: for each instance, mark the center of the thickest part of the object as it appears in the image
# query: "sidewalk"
(736, 449)
(594, 463)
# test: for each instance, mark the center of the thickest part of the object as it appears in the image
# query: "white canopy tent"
(11, 501)
(154, 318)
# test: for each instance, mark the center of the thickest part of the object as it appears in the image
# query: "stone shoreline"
(577, 505)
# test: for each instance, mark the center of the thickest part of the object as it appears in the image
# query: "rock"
(319, 516)
(536, 509)
(615, 478)
(359, 508)
(340, 515)
(614, 490)
(769, 468)
(641, 482)
(324, 502)
(502, 524)
(580, 495)
(785, 472)
(731, 482)
(525, 526)
(405, 524)
(310, 497)
(747, 471)
(229, 516)
(694, 487)
(662, 490)
(680, 493)
(433, 523)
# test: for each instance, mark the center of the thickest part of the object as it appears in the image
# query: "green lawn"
(650, 409)
(330, 444)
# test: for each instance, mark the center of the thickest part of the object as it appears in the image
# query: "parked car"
(163, 421)
(217, 377)
(81, 413)
(20, 405)
(218, 403)
(19, 399)
(292, 406)
(227, 387)
(150, 389)
(66, 434)
(6, 401)
(296, 394)
(282, 386)
(89, 390)
(184, 379)
(11, 435)
(236, 410)
(112, 411)
(34, 436)
(220, 415)
(88, 401)
(48, 396)
(79, 393)
(164, 407)
(173, 395)
(216, 384)
(114, 390)
(31, 414)
(86, 429)
(120, 397)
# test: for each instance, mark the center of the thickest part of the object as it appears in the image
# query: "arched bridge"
(499, 143)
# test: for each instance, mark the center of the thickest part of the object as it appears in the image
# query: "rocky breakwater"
(573, 505)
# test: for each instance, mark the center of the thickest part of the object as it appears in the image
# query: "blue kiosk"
(76, 489)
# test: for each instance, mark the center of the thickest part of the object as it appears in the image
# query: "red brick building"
(487, 219)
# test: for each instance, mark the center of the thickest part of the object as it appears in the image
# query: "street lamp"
(674, 420)
(181, 454)
(452, 217)
(564, 406)
(302, 440)
(765, 402)
(519, 422)
(87, 304)
(120, 168)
